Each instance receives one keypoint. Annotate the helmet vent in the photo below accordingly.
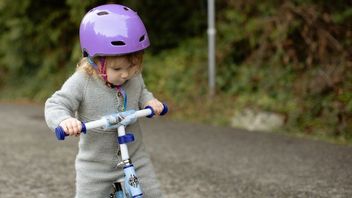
(142, 38)
(102, 13)
(118, 43)
(126, 8)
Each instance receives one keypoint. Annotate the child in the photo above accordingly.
(108, 80)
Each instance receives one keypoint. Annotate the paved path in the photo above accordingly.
(193, 161)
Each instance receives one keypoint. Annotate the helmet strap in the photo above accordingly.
(90, 61)
(102, 69)
(103, 74)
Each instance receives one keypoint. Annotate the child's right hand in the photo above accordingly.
(71, 126)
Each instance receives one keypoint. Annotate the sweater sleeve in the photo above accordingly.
(145, 95)
(64, 103)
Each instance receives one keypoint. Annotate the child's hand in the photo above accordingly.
(156, 105)
(71, 126)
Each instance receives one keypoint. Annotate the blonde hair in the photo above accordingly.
(136, 59)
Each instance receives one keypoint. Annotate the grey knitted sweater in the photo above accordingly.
(88, 98)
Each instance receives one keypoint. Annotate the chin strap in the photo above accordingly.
(121, 92)
(102, 70)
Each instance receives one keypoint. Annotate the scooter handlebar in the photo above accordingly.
(61, 134)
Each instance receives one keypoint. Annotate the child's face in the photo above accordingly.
(119, 70)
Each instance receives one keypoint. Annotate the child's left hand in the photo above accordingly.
(156, 105)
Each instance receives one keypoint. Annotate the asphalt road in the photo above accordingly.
(193, 161)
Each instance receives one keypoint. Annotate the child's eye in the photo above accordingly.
(117, 69)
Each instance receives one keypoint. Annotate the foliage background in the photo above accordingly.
(289, 57)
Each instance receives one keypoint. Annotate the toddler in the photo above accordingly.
(107, 80)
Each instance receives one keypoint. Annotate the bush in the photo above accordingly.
(297, 54)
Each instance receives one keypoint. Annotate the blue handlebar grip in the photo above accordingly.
(163, 112)
(84, 128)
(60, 133)
(165, 109)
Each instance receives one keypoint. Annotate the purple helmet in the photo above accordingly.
(110, 30)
